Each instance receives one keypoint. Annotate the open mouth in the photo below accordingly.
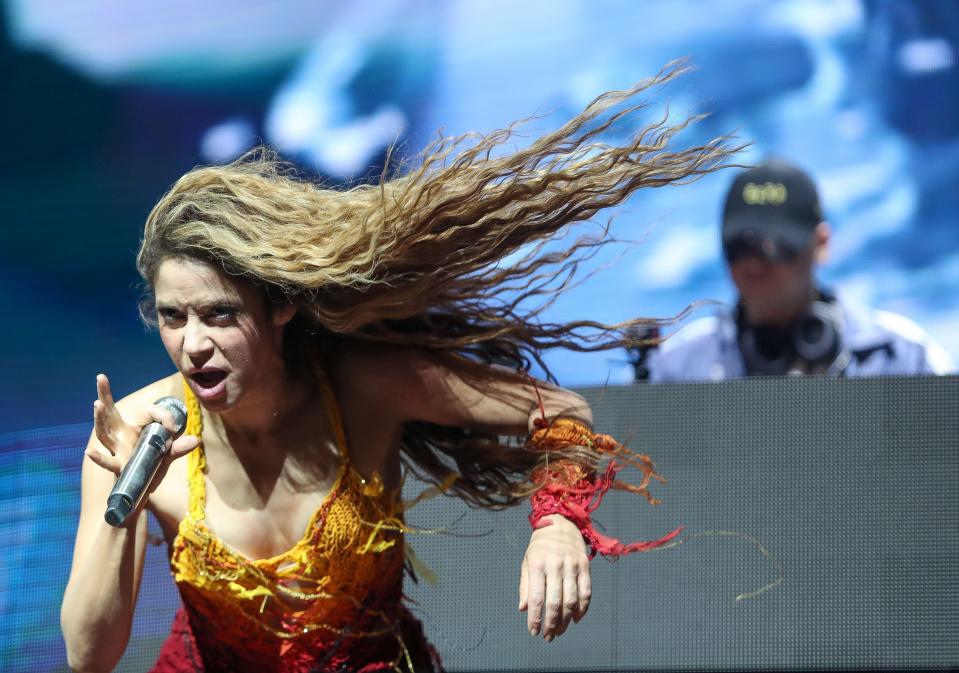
(208, 379)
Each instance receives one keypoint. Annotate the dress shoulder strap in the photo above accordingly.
(196, 459)
(332, 408)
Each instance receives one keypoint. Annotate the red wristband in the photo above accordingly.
(568, 489)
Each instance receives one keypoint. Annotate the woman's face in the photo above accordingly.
(220, 331)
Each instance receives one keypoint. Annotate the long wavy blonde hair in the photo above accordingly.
(426, 258)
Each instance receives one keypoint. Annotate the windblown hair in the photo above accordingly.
(427, 258)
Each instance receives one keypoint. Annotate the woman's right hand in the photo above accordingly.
(118, 435)
(107, 569)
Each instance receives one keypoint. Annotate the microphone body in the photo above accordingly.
(131, 487)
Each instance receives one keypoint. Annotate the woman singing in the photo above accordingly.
(326, 340)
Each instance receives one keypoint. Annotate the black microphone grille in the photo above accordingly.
(178, 409)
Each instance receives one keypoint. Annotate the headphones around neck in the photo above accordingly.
(812, 343)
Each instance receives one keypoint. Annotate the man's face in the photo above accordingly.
(762, 281)
(772, 283)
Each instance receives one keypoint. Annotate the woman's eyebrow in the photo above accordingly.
(200, 306)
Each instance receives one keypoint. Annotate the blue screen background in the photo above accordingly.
(106, 103)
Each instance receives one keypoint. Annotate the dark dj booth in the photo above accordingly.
(846, 490)
(852, 486)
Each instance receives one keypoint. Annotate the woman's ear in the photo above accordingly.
(283, 313)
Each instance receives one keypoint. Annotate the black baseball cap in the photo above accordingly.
(774, 202)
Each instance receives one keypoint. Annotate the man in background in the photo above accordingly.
(785, 322)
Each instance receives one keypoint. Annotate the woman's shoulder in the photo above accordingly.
(371, 375)
(169, 386)
(375, 366)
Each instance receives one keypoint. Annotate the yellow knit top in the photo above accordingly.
(341, 582)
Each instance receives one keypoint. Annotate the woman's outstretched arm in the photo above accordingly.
(97, 610)
(416, 385)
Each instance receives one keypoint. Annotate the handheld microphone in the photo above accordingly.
(131, 487)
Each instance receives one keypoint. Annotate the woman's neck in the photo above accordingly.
(266, 411)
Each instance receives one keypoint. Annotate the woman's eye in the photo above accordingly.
(222, 314)
(170, 315)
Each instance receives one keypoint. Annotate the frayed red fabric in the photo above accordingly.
(334, 653)
(568, 489)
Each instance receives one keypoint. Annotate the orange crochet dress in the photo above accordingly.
(332, 603)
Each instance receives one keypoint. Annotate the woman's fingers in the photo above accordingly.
(553, 608)
(535, 594)
(104, 459)
(111, 426)
(161, 415)
(584, 590)
(554, 581)
(183, 445)
(570, 599)
(111, 415)
(523, 585)
(103, 390)
(554, 592)
(108, 423)
(117, 438)
(103, 428)
(562, 599)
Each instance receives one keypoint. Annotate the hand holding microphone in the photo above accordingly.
(138, 450)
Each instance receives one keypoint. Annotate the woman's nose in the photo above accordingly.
(196, 338)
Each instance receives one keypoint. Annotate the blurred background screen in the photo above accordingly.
(840, 493)
(104, 103)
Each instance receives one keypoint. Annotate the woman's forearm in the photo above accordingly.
(98, 604)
